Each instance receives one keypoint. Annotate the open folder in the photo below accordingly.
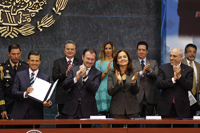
(42, 90)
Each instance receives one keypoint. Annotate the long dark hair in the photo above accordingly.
(116, 66)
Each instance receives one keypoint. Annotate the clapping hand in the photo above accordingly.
(68, 69)
(134, 78)
(81, 72)
(109, 65)
(146, 68)
(177, 72)
(118, 76)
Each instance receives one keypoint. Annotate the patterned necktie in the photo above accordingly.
(194, 90)
(69, 62)
(32, 78)
(142, 64)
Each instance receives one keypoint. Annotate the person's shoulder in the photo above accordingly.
(111, 72)
(77, 61)
(134, 60)
(95, 69)
(152, 60)
(165, 65)
(23, 72)
(4, 63)
(21, 62)
(75, 67)
(43, 75)
(60, 59)
(186, 66)
(196, 63)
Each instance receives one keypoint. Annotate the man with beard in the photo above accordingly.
(190, 55)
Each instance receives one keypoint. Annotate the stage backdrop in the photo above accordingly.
(180, 26)
(90, 23)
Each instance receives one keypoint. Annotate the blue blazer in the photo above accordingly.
(26, 105)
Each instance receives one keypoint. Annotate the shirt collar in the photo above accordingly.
(35, 72)
(71, 59)
(189, 61)
(143, 60)
(12, 64)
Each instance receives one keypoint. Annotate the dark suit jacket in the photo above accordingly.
(84, 90)
(188, 24)
(23, 105)
(6, 91)
(147, 83)
(184, 61)
(59, 72)
(179, 90)
(124, 99)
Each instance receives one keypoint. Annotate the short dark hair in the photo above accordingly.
(70, 41)
(143, 43)
(13, 46)
(116, 66)
(90, 50)
(33, 53)
(190, 45)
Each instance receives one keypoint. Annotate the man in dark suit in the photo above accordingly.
(61, 69)
(148, 70)
(189, 14)
(190, 55)
(8, 70)
(83, 82)
(175, 79)
(24, 107)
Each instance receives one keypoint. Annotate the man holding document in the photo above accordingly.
(190, 55)
(25, 107)
(175, 79)
(83, 80)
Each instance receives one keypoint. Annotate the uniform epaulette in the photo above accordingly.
(23, 62)
(3, 63)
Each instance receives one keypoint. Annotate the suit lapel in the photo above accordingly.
(27, 78)
(137, 64)
(64, 61)
(182, 68)
(184, 61)
(170, 71)
(75, 61)
(128, 79)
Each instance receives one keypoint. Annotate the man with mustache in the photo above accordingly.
(190, 55)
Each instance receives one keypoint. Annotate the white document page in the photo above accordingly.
(52, 89)
(40, 89)
(191, 98)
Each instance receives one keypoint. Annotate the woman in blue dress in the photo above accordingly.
(104, 64)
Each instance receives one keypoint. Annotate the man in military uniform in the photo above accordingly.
(8, 70)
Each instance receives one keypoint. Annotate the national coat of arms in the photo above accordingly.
(16, 16)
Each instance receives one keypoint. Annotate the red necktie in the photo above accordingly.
(69, 62)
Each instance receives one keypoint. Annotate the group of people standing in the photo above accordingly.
(115, 85)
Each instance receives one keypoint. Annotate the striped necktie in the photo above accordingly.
(32, 78)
